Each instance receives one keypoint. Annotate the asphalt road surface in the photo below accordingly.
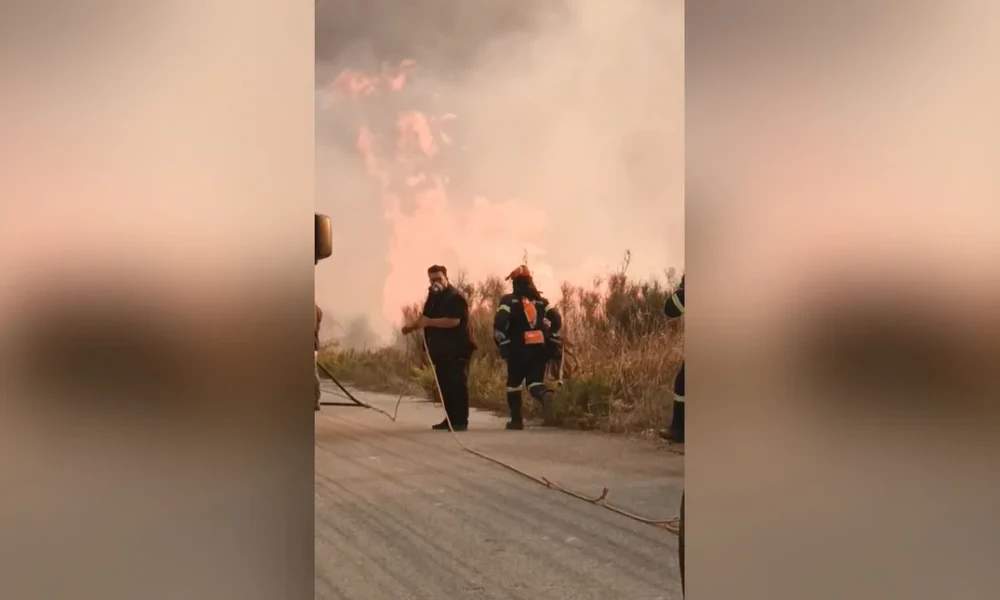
(402, 512)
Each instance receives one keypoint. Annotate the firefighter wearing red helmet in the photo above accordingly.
(674, 309)
(525, 327)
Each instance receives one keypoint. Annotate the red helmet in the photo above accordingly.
(521, 271)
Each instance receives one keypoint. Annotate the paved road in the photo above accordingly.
(403, 513)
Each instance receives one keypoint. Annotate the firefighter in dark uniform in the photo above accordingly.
(674, 308)
(445, 325)
(525, 328)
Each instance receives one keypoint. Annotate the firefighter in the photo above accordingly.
(674, 308)
(525, 328)
(445, 325)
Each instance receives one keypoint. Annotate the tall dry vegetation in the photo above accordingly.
(621, 355)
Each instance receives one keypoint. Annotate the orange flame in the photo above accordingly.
(425, 229)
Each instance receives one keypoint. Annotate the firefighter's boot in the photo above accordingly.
(544, 397)
(548, 409)
(514, 406)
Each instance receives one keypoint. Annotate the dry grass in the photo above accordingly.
(618, 373)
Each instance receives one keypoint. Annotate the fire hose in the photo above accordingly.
(671, 525)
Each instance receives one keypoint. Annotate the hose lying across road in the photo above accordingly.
(671, 525)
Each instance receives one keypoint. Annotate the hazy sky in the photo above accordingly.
(567, 143)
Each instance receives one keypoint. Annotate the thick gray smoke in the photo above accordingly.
(573, 108)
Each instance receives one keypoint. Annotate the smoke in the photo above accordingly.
(354, 333)
(547, 129)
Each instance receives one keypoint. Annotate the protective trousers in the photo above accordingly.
(453, 377)
(526, 366)
(677, 419)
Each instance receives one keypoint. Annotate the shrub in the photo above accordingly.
(621, 355)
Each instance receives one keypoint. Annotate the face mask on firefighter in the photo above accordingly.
(436, 287)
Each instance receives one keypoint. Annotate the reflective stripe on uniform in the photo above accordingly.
(677, 302)
(504, 342)
(678, 399)
(514, 389)
(536, 384)
(503, 307)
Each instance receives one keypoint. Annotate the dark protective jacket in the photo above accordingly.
(448, 344)
(519, 323)
(674, 307)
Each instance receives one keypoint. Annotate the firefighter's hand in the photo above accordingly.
(547, 323)
(411, 327)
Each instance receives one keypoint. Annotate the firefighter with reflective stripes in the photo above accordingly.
(525, 328)
(674, 308)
